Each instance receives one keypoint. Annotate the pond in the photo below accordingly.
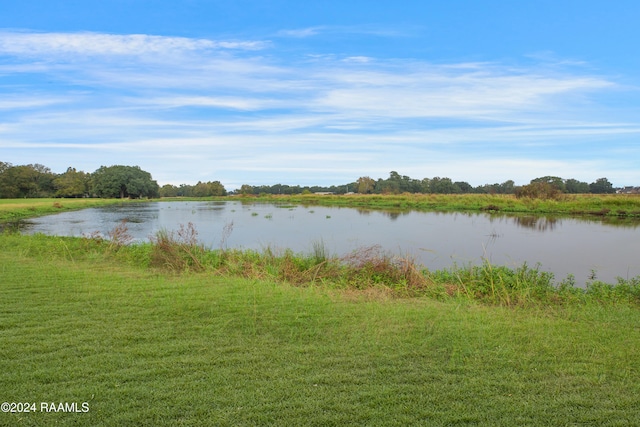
(563, 246)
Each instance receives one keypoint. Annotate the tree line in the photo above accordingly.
(36, 180)
(543, 187)
(118, 181)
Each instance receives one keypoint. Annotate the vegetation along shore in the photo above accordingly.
(610, 205)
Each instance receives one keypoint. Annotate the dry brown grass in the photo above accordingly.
(177, 251)
(119, 236)
(372, 265)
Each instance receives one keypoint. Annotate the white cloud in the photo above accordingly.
(225, 102)
(337, 117)
(470, 94)
(47, 44)
(24, 102)
(300, 33)
(358, 59)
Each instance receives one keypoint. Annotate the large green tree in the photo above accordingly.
(123, 181)
(574, 186)
(33, 180)
(601, 186)
(169, 190)
(246, 189)
(206, 189)
(365, 185)
(442, 186)
(72, 183)
(555, 181)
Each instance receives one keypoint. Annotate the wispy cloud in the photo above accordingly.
(301, 32)
(48, 44)
(29, 101)
(234, 107)
(345, 31)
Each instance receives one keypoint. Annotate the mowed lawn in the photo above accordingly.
(145, 348)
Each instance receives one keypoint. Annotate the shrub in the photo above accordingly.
(538, 190)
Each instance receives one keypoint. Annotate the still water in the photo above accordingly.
(436, 240)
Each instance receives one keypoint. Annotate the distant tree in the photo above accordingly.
(12, 184)
(391, 185)
(463, 187)
(4, 166)
(123, 181)
(442, 185)
(385, 186)
(208, 189)
(574, 186)
(410, 185)
(554, 181)
(169, 190)
(26, 181)
(365, 185)
(507, 187)
(72, 183)
(185, 190)
(601, 186)
(425, 185)
(245, 190)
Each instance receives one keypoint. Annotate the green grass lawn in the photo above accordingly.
(146, 348)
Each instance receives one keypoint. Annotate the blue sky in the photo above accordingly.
(323, 92)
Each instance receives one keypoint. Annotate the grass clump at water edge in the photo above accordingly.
(373, 268)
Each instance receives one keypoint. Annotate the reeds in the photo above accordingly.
(177, 251)
(119, 236)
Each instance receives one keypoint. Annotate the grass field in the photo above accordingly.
(89, 322)
(145, 347)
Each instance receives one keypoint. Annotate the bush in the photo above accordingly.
(538, 190)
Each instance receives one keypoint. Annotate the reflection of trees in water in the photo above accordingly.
(392, 214)
(539, 223)
(549, 222)
(533, 222)
(616, 221)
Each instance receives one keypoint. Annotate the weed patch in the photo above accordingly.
(119, 236)
(177, 251)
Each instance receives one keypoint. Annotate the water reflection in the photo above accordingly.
(392, 214)
(539, 223)
(562, 245)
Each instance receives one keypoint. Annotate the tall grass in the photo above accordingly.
(370, 268)
(608, 205)
(178, 251)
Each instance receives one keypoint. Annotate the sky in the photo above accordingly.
(323, 92)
